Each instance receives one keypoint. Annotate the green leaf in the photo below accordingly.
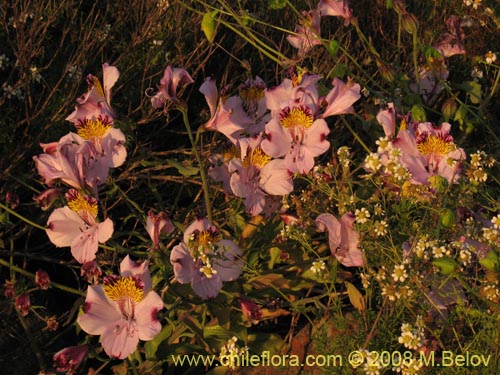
(275, 254)
(445, 265)
(276, 4)
(208, 25)
(355, 296)
(418, 113)
(151, 346)
(490, 261)
(473, 91)
(183, 170)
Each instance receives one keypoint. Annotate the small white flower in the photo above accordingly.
(490, 57)
(318, 266)
(362, 215)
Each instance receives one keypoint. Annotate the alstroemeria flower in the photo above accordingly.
(172, 79)
(307, 32)
(75, 162)
(107, 140)
(205, 260)
(425, 150)
(342, 238)
(97, 101)
(68, 359)
(227, 114)
(156, 225)
(341, 98)
(255, 176)
(123, 310)
(76, 225)
(336, 8)
(452, 43)
(297, 136)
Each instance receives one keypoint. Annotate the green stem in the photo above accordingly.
(11, 211)
(204, 181)
(32, 276)
(355, 135)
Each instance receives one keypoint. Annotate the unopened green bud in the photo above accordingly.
(410, 23)
(447, 218)
(386, 71)
(449, 108)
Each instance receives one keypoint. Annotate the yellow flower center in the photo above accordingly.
(123, 287)
(295, 117)
(256, 158)
(435, 145)
(79, 203)
(89, 129)
(403, 125)
(251, 94)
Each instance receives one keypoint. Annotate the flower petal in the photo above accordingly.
(99, 313)
(145, 315)
(120, 339)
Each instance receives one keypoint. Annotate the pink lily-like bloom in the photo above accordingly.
(205, 260)
(342, 238)
(68, 359)
(426, 150)
(157, 225)
(172, 79)
(295, 131)
(96, 101)
(72, 161)
(255, 176)
(76, 225)
(227, 115)
(452, 43)
(336, 8)
(123, 310)
(80, 163)
(307, 32)
(341, 98)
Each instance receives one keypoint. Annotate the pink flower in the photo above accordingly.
(74, 162)
(227, 115)
(342, 238)
(91, 271)
(336, 8)
(426, 150)
(42, 279)
(297, 135)
(205, 260)
(47, 197)
(123, 310)
(307, 32)
(76, 225)
(96, 102)
(156, 225)
(172, 79)
(23, 304)
(452, 43)
(250, 310)
(341, 97)
(255, 176)
(68, 359)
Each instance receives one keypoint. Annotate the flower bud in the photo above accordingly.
(449, 108)
(410, 23)
(42, 279)
(447, 218)
(439, 183)
(386, 71)
(23, 304)
(68, 359)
